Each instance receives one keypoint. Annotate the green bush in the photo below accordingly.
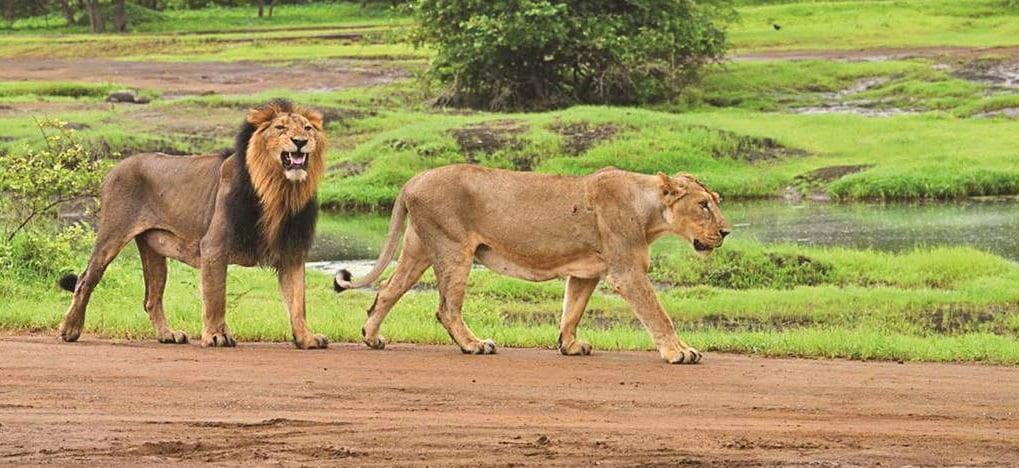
(528, 54)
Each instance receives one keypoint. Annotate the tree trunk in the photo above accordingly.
(68, 12)
(261, 5)
(95, 17)
(272, 4)
(119, 21)
(9, 11)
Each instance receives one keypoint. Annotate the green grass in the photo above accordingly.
(875, 24)
(945, 304)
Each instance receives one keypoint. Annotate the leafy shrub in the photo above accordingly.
(548, 53)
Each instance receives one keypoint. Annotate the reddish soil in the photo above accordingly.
(102, 403)
(177, 78)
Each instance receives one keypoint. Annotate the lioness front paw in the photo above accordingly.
(311, 341)
(69, 332)
(378, 342)
(683, 356)
(177, 337)
(576, 348)
(218, 340)
(480, 347)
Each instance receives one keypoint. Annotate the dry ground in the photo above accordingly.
(131, 403)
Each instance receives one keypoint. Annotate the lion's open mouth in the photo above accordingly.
(294, 160)
(700, 246)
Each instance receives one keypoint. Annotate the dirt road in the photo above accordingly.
(180, 78)
(97, 402)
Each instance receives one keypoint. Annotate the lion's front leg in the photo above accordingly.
(291, 278)
(637, 289)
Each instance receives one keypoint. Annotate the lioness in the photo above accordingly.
(257, 206)
(538, 227)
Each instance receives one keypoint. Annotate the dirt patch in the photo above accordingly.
(751, 149)
(579, 137)
(184, 78)
(486, 138)
(826, 175)
(997, 72)
(959, 319)
(141, 403)
(596, 319)
(348, 168)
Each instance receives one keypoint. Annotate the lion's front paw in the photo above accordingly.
(576, 348)
(311, 341)
(480, 347)
(177, 337)
(378, 342)
(218, 340)
(683, 356)
(69, 332)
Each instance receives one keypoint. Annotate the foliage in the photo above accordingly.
(549, 53)
(35, 182)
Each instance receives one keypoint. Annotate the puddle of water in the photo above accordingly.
(353, 242)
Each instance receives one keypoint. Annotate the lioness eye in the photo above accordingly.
(704, 205)
(281, 127)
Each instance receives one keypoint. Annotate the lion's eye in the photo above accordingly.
(281, 127)
(704, 205)
(307, 128)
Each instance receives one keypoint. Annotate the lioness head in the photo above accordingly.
(692, 211)
(288, 138)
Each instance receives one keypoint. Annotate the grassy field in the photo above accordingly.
(928, 127)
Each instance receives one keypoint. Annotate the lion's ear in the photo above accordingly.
(261, 115)
(668, 190)
(315, 117)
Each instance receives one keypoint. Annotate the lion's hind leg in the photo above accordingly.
(578, 292)
(412, 264)
(109, 243)
(154, 271)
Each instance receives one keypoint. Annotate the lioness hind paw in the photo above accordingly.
(219, 341)
(481, 347)
(312, 342)
(576, 348)
(687, 356)
(379, 342)
(177, 337)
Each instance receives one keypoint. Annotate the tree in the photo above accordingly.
(119, 22)
(95, 17)
(68, 12)
(547, 53)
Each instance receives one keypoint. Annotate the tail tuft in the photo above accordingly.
(341, 275)
(68, 282)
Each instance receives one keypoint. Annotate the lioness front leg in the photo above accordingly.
(578, 291)
(291, 278)
(638, 291)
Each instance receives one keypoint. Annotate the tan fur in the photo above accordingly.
(177, 207)
(538, 227)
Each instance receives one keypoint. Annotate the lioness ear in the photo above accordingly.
(260, 115)
(669, 190)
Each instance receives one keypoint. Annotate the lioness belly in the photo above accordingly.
(581, 266)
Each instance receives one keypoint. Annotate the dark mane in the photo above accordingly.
(244, 211)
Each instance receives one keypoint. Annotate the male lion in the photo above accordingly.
(538, 227)
(256, 206)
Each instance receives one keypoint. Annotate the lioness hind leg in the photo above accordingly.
(154, 271)
(408, 271)
(451, 275)
(578, 291)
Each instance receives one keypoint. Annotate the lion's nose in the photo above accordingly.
(723, 232)
(300, 143)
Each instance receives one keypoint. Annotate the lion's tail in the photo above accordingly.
(342, 281)
(68, 282)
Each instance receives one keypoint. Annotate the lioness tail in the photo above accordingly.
(342, 280)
